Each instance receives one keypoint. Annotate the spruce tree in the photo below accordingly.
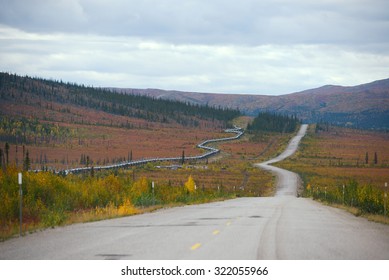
(7, 153)
(27, 162)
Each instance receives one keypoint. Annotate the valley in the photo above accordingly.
(60, 126)
(53, 126)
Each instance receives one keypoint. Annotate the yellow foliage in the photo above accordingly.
(190, 185)
(111, 210)
(126, 208)
(112, 182)
(141, 186)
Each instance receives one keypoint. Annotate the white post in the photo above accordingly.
(152, 186)
(343, 193)
(20, 203)
(385, 196)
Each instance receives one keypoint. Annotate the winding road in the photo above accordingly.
(279, 227)
(287, 181)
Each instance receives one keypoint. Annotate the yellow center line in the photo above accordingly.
(215, 232)
(195, 246)
(228, 223)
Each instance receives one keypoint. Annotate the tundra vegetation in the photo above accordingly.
(49, 126)
(344, 167)
(51, 200)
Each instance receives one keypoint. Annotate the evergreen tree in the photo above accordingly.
(27, 162)
(130, 105)
(7, 153)
(266, 121)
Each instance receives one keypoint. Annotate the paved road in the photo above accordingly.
(280, 227)
(287, 181)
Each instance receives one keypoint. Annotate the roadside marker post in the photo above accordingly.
(152, 186)
(20, 203)
(385, 198)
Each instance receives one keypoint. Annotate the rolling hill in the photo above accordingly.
(62, 125)
(34, 97)
(364, 106)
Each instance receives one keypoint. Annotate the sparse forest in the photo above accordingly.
(50, 125)
(67, 125)
(273, 122)
(31, 131)
(42, 93)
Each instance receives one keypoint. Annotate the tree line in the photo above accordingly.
(31, 131)
(4, 157)
(21, 89)
(273, 122)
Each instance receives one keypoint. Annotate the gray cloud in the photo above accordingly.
(252, 46)
(217, 22)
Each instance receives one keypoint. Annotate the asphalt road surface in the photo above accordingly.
(280, 227)
(287, 181)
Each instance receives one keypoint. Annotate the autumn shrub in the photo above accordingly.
(9, 196)
(141, 193)
(52, 218)
(366, 198)
(166, 193)
(48, 198)
(190, 185)
(126, 208)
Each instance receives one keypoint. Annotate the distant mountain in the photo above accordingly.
(364, 106)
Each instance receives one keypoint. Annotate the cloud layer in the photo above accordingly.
(248, 46)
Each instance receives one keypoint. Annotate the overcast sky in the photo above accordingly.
(247, 46)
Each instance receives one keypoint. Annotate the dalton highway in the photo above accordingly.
(279, 227)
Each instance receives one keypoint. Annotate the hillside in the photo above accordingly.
(64, 125)
(16, 91)
(363, 106)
